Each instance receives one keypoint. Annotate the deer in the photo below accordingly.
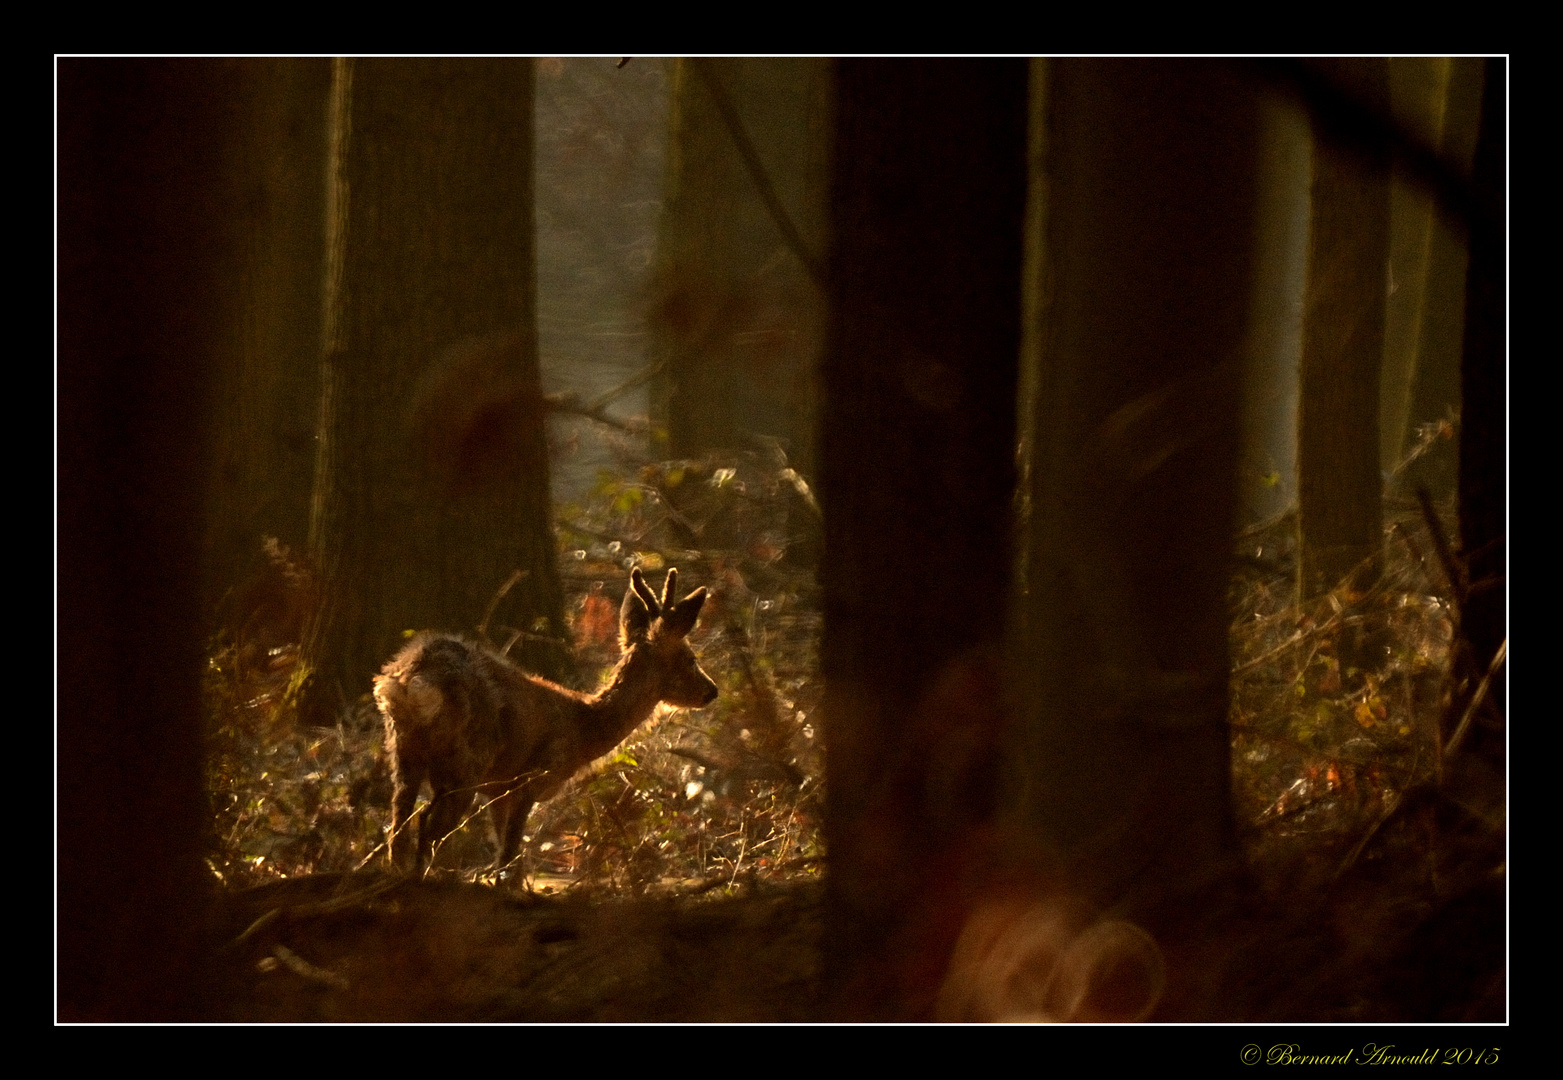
(469, 720)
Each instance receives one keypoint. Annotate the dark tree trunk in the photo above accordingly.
(1484, 388)
(431, 484)
(917, 474)
(263, 443)
(1120, 765)
(1340, 485)
(147, 238)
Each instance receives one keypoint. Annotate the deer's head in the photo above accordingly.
(658, 627)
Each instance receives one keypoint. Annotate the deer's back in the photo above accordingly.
(469, 715)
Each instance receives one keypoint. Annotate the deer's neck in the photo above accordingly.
(633, 690)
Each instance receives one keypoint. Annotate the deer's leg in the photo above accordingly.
(405, 781)
(439, 820)
(511, 812)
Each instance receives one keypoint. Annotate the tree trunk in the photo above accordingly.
(916, 479)
(1267, 483)
(148, 234)
(739, 311)
(431, 481)
(1339, 483)
(1484, 386)
(1428, 265)
(1138, 308)
(263, 435)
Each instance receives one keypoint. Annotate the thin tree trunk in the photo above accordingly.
(1339, 483)
(740, 303)
(1440, 100)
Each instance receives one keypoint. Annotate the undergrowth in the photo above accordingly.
(1356, 800)
(1341, 705)
(1374, 828)
(691, 802)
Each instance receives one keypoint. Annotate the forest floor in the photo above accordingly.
(387, 949)
(680, 878)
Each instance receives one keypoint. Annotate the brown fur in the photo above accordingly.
(460, 715)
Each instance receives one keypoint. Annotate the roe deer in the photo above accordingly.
(473, 723)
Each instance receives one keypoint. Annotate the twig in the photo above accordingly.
(1258, 528)
(499, 595)
(716, 881)
(743, 845)
(1426, 440)
(375, 851)
(320, 907)
(1391, 808)
(1435, 528)
(305, 970)
(644, 375)
(1477, 699)
(766, 707)
(801, 486)
(1464, 654)
(695, 756)
(1412, 547)
(1399, 800)
(793, 864)
(751, 160)
(542, 639)
(569, 403)
(1332, 623)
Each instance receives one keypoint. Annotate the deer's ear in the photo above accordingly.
(680, 618)
(634, 618)
(639, 587)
